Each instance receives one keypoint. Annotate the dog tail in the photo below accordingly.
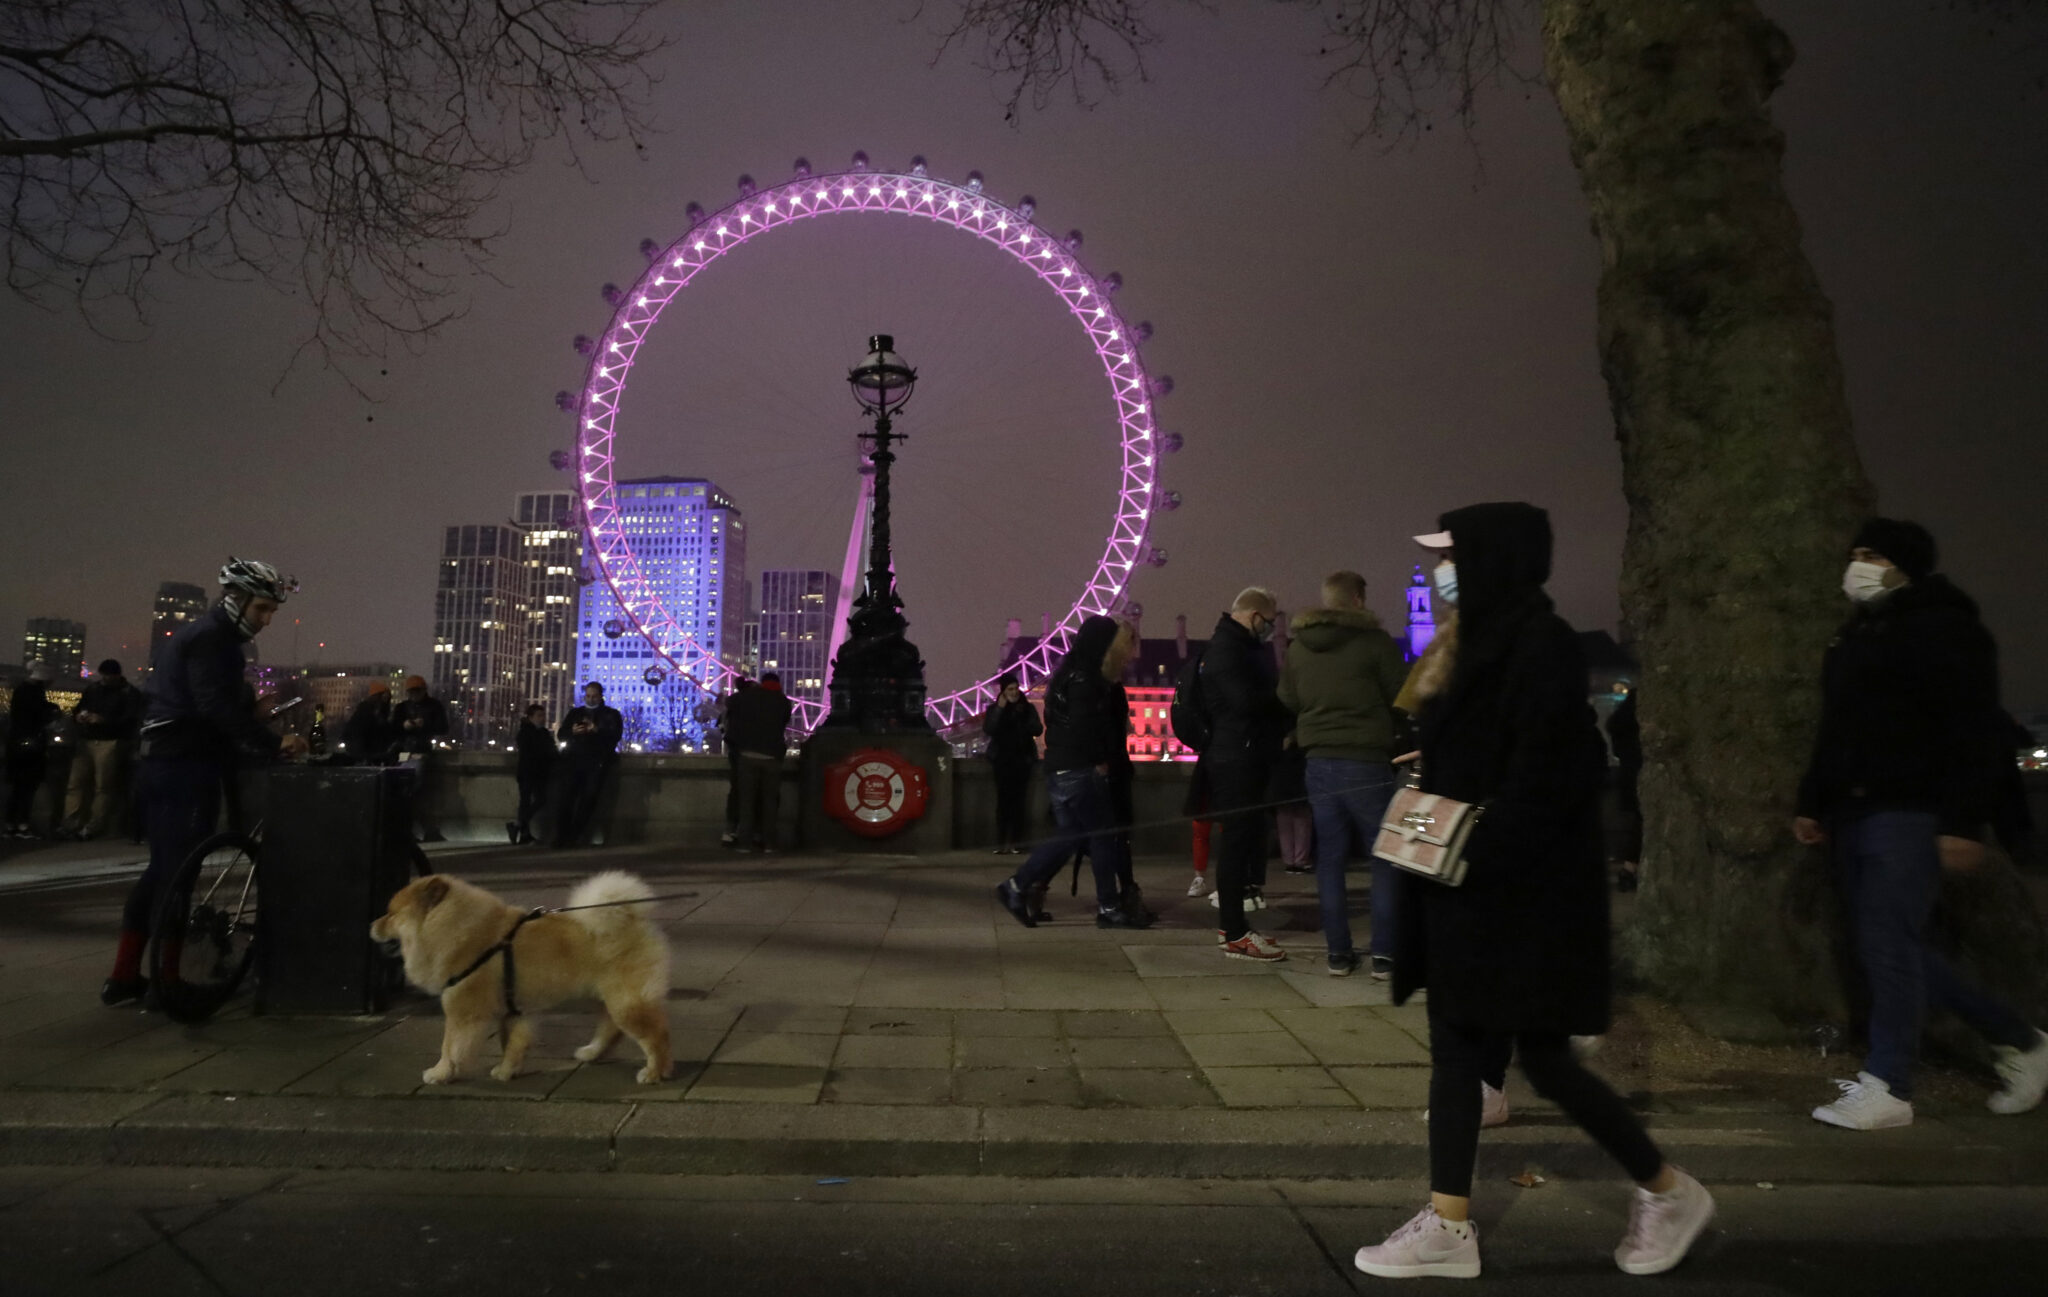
(620, 916)
(623, 927)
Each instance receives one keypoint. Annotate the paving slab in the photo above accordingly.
(1278, 1087)
(757, 1083)
(1007, 1022)
(1010, 1051)
(888, 1085)
(1147, 1087)
(895, 1052)
(1130, 1051)
(1014, 1087)
(1247, 1049)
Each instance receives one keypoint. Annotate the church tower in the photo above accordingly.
(1421, 621)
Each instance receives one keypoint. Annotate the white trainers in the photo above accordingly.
(1200, 887)
(2025, 1073)
(1867, 1103)
(1493, 1107)
(1426, 1246)
(1252, 898)
(1662, 1226)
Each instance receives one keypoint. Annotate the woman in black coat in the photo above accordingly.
(1520, 950)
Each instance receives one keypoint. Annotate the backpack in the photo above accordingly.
(1189, 713)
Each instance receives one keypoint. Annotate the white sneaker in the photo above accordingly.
(1867, 1103)
(1215, 900)
(1662, 1226)
(1428, 1245)
(1200, 887)
(2025, 1073)
(1252, 899)
(1493, 1107)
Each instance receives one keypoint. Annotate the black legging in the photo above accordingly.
(1461, 1057)
(1013, 805)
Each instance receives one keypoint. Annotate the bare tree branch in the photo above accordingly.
(343, 151)
(1092, 46)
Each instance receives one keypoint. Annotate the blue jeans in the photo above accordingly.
(1081, 808)
(1890, 873)
(1349, 797)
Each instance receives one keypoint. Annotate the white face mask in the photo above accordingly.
(1446, 578)
(1864, 581)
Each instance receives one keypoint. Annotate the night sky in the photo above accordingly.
(1360, 336)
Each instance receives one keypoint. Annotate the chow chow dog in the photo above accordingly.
(444, 926)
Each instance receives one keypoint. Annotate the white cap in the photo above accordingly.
(1435, 540)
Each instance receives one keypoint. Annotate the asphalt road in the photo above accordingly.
(168, 1232)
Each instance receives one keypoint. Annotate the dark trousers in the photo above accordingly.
(1013, 805)
(1460, 1058)
(533, 794)
(1081, 809)
(582, 785)
(1236, 789)
(180, 806)
(25, 771)
(732, 788)
(1890, 871)
(760, 798)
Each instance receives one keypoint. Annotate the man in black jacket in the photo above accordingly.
(1246, 727)
(536, 765)
(1904, 778)
(591, 735)
(368, 737)
(108, 717)
(757, 732)
(1012, 726)
(1084, 726)
(201, 720)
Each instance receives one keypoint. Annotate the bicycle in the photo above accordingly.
(206, 930)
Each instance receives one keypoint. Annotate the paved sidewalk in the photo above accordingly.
(883, 1015)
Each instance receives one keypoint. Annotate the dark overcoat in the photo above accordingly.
(1523, 944)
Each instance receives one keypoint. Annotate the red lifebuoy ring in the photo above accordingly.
(875, 792)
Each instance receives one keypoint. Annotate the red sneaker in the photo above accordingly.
(1253, 946)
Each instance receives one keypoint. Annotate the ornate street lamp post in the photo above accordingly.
(878, 677)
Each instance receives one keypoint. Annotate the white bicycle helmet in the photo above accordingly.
(252, 578)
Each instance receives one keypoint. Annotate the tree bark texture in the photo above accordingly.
(1718, 349)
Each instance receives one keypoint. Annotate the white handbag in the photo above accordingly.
(1425, 834)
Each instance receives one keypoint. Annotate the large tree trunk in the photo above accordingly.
(1744, 487)
(1743, 483)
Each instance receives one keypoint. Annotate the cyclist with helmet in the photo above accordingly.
(199, 722)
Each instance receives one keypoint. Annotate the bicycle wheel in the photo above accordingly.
(204, 937)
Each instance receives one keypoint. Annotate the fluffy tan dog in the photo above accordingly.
(443, 926)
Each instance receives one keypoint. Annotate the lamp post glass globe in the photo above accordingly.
(882, 382)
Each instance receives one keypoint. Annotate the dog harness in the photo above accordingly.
(504, 947)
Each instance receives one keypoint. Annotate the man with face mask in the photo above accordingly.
(1905, 775)
(1247, 725)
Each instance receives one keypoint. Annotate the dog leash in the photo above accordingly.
(504, 946)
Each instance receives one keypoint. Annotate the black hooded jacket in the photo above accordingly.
(1084, 722)
(1523, 944)
(1909, 713)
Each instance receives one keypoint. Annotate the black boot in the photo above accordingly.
(1016, 903)
(1036, 900)
(121, 990)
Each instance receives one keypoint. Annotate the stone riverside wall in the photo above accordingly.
(681, 799)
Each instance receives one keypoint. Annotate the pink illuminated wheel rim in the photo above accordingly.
(963, 207)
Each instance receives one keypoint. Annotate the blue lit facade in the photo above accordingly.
(691, 543)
